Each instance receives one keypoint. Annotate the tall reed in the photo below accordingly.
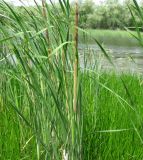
(75, 59)
(45, 85)
(45, 17)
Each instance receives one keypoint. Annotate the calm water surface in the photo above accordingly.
(125, 58)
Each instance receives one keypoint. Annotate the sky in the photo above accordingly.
(31, 2)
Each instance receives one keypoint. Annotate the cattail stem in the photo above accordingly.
(65, 79)
(45, 17)
(75, 59)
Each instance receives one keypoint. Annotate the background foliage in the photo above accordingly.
(110, 15)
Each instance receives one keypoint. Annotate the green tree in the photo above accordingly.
(86, 9)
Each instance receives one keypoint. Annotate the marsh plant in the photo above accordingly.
(39, 54)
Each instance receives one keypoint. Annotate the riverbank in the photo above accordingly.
(109, 37)
(122, 48)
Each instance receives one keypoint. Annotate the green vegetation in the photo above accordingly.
(110, 37)
(50, 108)
(112, 129)
(109, 15)
(103, 100)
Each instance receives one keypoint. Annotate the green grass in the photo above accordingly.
(111, 113)
(110, 37)
(103, 115)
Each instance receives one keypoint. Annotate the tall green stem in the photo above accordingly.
(45, 17)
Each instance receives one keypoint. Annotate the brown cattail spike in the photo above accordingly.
(75, 58)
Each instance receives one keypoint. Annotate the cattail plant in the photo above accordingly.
(75, 88)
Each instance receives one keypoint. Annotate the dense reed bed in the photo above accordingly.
(50, 109)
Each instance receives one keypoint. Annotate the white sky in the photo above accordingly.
(31, 2)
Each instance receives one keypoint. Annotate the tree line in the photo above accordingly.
(110, 15)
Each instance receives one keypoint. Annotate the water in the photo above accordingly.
(125, 58)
